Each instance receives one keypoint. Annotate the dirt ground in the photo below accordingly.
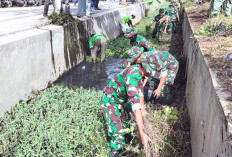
(214, 48)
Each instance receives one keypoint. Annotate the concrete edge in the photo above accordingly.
(222, 95)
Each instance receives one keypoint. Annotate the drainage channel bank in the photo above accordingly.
(64, 121)
(209, 84)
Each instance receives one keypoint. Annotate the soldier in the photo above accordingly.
(161, 24)
(126, 20)
(138, 40)
(173, 14)
(97, 41)
(176, 4)
(126, 87)
(162, 67)
(215, 6)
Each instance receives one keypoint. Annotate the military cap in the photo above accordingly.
(134, 53)
(131, 31)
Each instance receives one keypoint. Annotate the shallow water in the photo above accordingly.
(89, 75)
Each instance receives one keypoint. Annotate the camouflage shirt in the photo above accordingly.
(162, 62)
(161, 21)
(172, 13)
(142, 42)
(177, 6)
(126, 86)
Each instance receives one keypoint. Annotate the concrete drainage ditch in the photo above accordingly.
(53, 124)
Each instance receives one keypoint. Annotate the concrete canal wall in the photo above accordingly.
(206, 102)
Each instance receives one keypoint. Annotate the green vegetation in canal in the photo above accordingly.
(58, 121)
(118, 47)
(62, 121)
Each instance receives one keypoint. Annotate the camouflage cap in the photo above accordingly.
(147, 66)
(131, 31)
(134, 53)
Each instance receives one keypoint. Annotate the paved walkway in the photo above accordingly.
(18, 19)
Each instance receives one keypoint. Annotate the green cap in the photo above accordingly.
(134, 53)
(131, 31)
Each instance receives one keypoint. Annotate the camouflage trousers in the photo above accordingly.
(172, 26)
(158, 31)
(115, 118)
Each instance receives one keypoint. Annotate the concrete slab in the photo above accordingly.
(57, 50)
(24, 65)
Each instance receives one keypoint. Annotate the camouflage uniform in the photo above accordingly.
(159, 64)
(161, 22)
(176, 4)
(142, 42)
(126, 86)
(139, 41)
(172, 13)
(215, 7)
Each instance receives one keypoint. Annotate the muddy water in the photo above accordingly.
(89, 75)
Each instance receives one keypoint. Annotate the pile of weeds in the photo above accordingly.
(61, 19)
(213, 29)
(166, 127)
(59, 121)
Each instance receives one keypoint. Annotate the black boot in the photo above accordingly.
(128, 138)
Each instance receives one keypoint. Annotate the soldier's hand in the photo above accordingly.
(157, 93)
(145, 139)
